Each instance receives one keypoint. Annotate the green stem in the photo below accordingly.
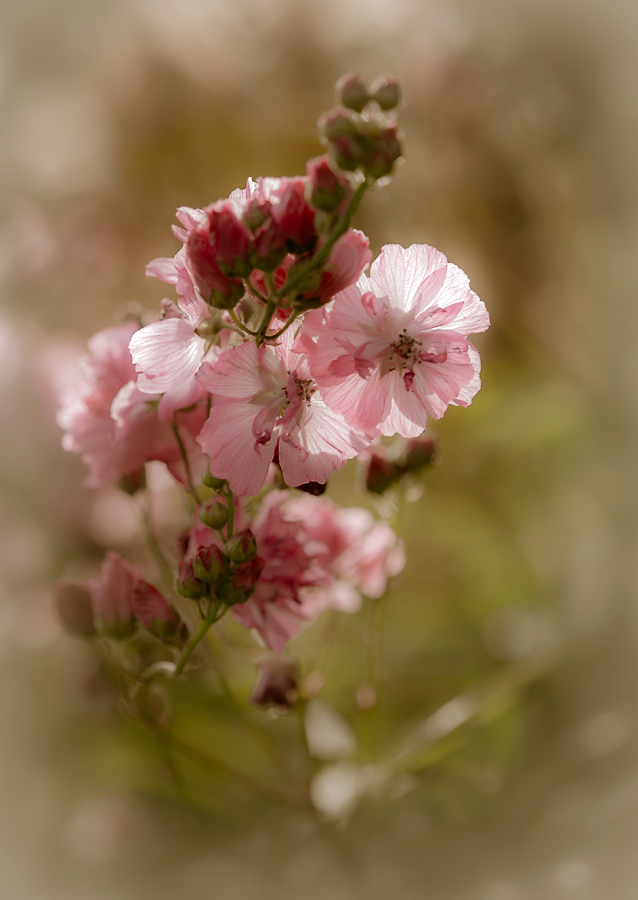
(230, 522)
(291, 318)
(269, 311)
(196, 638)
(217, 767)
(192, 492)
(241, 324)
(152, 543)
(340, 228)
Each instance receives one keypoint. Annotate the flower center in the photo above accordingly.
(404, 352)
(305, 387)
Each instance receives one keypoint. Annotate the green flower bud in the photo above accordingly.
(215, 515)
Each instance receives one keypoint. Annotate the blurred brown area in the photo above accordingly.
(520, 590)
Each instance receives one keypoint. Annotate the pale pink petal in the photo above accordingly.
(167, 354)
(407, 415)
(466, 394)
(399, 272)
(163, 268)
(321, 443)
(228, 439)
(473, 316)
(236, 372)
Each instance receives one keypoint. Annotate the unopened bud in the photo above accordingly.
(419, 453)
(315, 488)
(277, 682)
(386, 91)
(381, 472)
(227, 301)
(215, 515)
(208, 565)
(210, 481)
(73, 602)
(152, 610)
(242, 547)
(385, 149)
(327, 190)
(187, 584)
(352, 92)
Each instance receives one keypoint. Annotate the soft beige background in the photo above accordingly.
(520, 126)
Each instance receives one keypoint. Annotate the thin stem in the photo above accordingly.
(291, 318)
(196, 638)
(217, 767)
(230, 521)
(153, 544)
(241, 324)
(339, 229)
(269, 311)
(192, 492)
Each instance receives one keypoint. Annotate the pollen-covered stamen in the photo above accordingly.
(404, 352)
(305, 387)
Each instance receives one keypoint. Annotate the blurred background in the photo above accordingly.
(517, 607)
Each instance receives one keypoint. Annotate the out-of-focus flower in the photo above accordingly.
(112, 594)
(113, 424)
(358, 550)
(277, 681)
(393, 349)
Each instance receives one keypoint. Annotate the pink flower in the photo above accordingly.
(116, 427)
(167, 354)
(360, 552)
(393, 349)
(276, 608)
(265, 399)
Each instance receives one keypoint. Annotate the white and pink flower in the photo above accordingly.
(267, 401)
(393, 349)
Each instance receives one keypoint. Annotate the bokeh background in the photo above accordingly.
(519, 598)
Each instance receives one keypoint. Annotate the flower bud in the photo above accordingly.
(242, 547)
(220, 300)
(385, 149)
(327, 190)
(209, 278)
(187, 584)
(73, 602)
(208, 565)
(352, 92)
(229, 236)
(211, 482)
(419, 453)
(112, 596)
(340, 130)
(152, 610)
(215, 515)
(313, 487)
(277, 682)
(380, 472)
(386, 91)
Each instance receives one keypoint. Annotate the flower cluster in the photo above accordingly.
(279, 359)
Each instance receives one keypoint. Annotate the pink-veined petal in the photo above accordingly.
(227, 437)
